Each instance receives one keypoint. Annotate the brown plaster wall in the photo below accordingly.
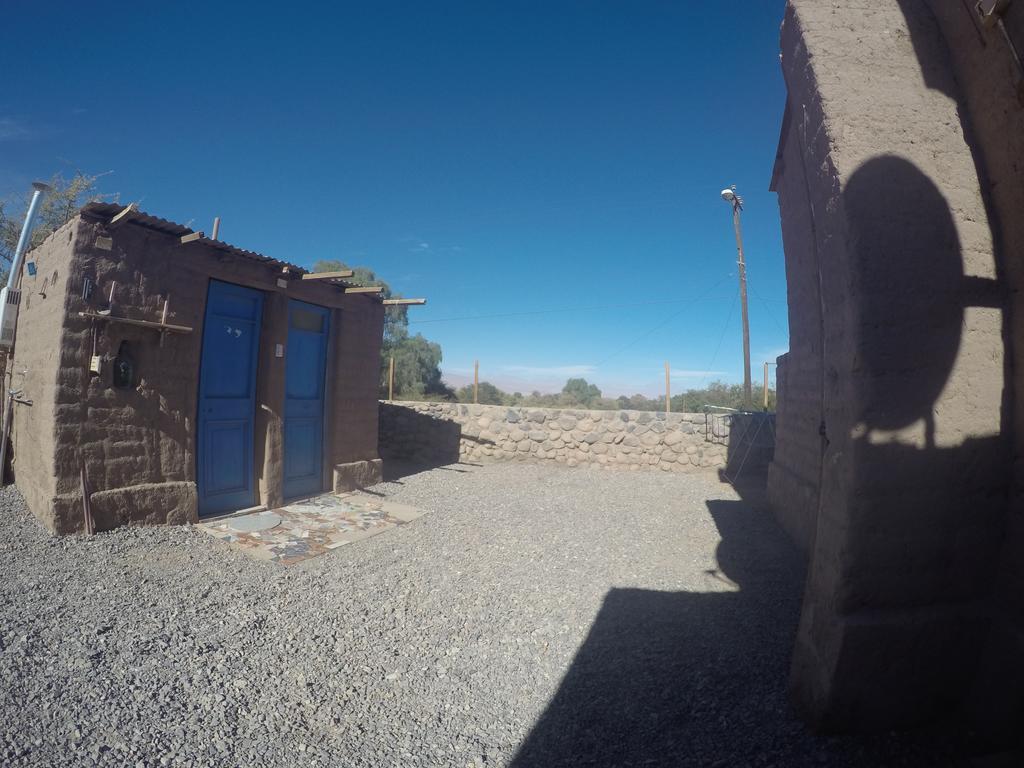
(268, 431)
(990, 95)
(35, 371)
(901, 355)
(353, 416)
(138, 445)
(795, 472)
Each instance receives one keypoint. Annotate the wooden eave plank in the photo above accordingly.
(403, 302)
(365, 289)
(328, 275)
(125, 215)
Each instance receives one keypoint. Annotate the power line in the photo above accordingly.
(664, 322)
(771, 312)
(721, 338)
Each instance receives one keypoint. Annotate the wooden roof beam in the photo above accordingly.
(364, 289)
(125, 215)
(403, 302)
(340, 275)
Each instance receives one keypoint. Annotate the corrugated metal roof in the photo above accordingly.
(109, 210)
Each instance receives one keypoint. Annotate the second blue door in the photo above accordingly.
(305, 371)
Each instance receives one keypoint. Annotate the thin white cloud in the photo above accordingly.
(11, 129)
(419, 245)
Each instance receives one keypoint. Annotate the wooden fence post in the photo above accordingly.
(766, 386)
(668, 389)
(391, 379)
(476, 381)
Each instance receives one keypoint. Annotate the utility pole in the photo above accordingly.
(476, 381)
(730, 196)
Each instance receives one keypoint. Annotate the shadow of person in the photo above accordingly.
(908, 294)
(688, 679)
(913, 491)
(683, 678)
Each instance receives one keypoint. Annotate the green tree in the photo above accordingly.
(417, 367)
(65, 198)
(580, 392)
(718, 393)
(487, 394)
(639, 402)
(396, 318)
(417, 360)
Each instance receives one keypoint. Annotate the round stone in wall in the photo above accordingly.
(251, 523)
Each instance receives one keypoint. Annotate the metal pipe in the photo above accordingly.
(38, 190)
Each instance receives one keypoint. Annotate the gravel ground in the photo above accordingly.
(537, 616)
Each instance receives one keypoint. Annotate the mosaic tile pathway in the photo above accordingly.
(309, 528)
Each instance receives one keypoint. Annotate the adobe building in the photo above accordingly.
(898, 465)
(172, 376)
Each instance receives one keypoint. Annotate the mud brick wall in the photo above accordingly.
(36, 371)
(796, 470)
(898, 461)
(138, 445)
(447, 432)
(990, 96)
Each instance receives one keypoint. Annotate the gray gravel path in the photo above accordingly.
(537, 616)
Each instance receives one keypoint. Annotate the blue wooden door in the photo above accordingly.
(227, 398)
(305, 370)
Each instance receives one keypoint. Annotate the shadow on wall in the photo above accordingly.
(911, 294)
(913, 498)
(411, 442)
(750, 451)
(698, 679)
(989, 101)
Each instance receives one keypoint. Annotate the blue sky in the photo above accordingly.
(559, 158)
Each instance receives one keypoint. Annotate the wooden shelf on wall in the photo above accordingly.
(154, 324)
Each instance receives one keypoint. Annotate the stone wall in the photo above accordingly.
(899, 182)
(438, 433)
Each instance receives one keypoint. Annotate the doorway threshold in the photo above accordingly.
(310, 527)
(237, 513)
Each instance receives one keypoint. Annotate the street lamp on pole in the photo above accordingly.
(730, 196)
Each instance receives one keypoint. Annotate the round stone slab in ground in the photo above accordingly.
(251, 523)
